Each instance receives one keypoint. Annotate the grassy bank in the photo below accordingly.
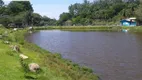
(52, 66)
(90, 28)
(77, 28)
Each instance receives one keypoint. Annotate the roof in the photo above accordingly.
(129, 19)
(132, 18)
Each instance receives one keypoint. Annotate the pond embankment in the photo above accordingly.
(90, 28)
(112, 55)
(52, 66)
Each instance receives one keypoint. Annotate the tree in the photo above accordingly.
(101, 11)
(1, 3)
(64, 17)
(138, 13)
(36, 19)
(46, 21)
(16, 7)
(20, 14)
(1, 7)
(16, 13)
(5, 21)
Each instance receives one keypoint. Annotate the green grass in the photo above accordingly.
(90, 28)
(76, 28)
(10, 67)
(53, 66)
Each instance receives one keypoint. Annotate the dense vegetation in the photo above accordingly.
(101, 12)
(21, 14)
(98, 12)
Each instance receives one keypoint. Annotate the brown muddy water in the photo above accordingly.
(112, 55)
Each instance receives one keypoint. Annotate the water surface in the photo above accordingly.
(112, 55)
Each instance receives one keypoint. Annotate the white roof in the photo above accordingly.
(132, 18)
(128, 19)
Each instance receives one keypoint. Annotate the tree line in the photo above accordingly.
(101, 12)
(21, 14)
(98, 12)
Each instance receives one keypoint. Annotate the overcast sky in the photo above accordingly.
(51, 8)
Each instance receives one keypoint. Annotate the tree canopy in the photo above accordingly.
(102, 12)
(21, 14)
(98, 12)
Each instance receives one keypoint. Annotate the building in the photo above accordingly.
(128, 22)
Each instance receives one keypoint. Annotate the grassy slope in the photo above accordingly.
(10, 68)
(53, 67)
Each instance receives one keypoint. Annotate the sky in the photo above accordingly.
(51, 8)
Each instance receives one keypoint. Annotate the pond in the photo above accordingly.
(112, 55)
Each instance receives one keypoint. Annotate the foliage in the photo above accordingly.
(1, 3)
(63, 18)
(97, 12)
(138, 13)
(101, 12)
(46, 21)
(20, 14)
(15, 7)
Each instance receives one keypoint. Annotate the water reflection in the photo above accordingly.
(112, 55)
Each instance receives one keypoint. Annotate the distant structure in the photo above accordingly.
(129, 22)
